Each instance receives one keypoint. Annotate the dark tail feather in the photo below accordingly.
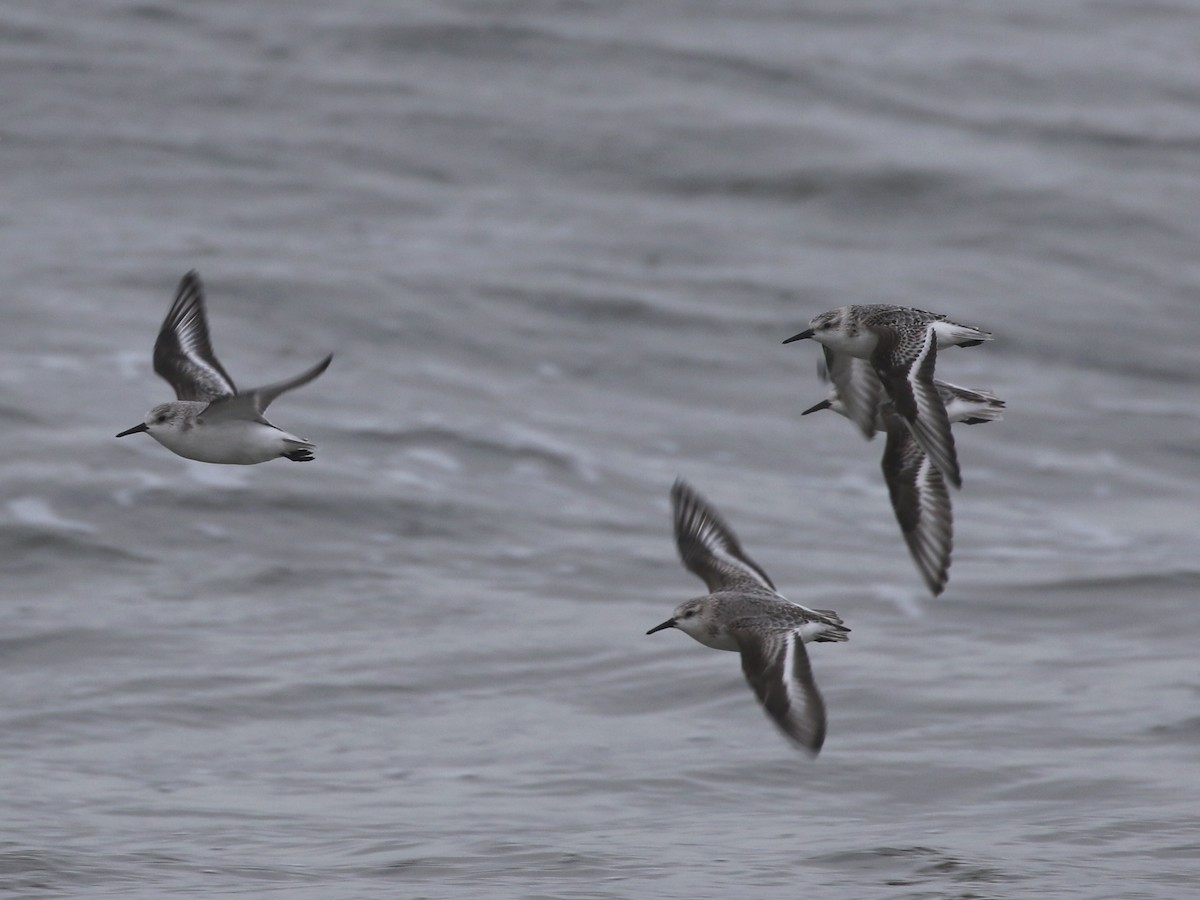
(302, 452)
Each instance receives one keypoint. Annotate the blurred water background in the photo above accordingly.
(555, 245)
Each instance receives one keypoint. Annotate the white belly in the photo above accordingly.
(239, 443)
(699, 630)
(861, 345)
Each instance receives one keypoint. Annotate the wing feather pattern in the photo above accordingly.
(908, 379)
(858, 387)
(778, 671)
(253, 403)
(921, 503)
(708, 546)
(183, 353)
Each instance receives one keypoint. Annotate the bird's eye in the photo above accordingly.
(689, 613)
(160, 419)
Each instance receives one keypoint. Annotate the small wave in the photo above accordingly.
(470, 39)
(53, 647)
(441, 445)
(569, 301)
(155, 12)
(916, 865)
(1180, 580)
(526, 45)
(38, 512)
(43, 873)
(855, 187)
(222, 477)
(197, 703)
(15, 415)
(31, 548)
(1187, 731)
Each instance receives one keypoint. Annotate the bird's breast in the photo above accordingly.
(859, 342)
(240, 442)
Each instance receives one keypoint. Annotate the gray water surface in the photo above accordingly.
(554, 247)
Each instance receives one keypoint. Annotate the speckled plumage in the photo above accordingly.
(920, 499)
(744, 612)
(901, 345)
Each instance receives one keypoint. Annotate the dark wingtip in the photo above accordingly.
(935, 581)
(680, 491)
(191, 278)
(807, 333)
(810, 744)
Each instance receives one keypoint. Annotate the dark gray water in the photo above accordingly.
(555, 247)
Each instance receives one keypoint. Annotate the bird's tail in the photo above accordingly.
(951, 334)
(299, 450)
(971, 407)
(834, 630)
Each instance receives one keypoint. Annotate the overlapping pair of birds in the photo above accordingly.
(879, 361)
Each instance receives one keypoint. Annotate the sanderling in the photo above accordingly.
(210, 421)
(901, 344)
(962, 404)
(744, 612)
(853, 379)
(916, 487)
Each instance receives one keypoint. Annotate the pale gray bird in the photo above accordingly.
(210, 420)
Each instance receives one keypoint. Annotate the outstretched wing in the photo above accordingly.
(906, 370)
(251, 404)
(776, 666)
(858, 387)
(921, 503)
(183, 353)
(708, 546)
